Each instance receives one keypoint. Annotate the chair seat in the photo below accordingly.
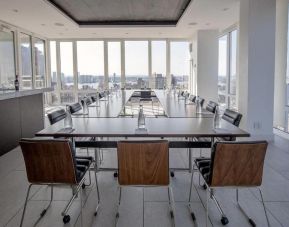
(83, 160)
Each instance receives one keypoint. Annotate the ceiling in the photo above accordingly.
(123, 12)
(41, 17)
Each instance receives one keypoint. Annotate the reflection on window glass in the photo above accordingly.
(90, 61)
(26, 60)
(114, 64)
(39, 61)
(136, 64)
(180, 64)
(66, 60)
(7, 64)
(53, 67)
(159, 55)
(222, 78)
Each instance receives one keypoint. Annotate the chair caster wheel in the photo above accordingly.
(117, 215)
(115, 174)
(83, 186)
(193, 216)
(95, 213)
(172, 174)
(172, 214)
(224, 220)
(204, 186)
(66, 219)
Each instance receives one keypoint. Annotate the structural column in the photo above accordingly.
(257, 66)
(206, 49)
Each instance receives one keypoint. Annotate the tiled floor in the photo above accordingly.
(145, 206)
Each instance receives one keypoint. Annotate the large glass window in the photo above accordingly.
(180, 64)
(222, 79)
(228, 70)
(66, 61)
(136, 64)
(114, 64)
(7, 60)
(26, 61)
(39, 61)
(53, 65)
(90, 63)
(159, 56)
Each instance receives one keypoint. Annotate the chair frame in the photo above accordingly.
(76, 188)
(210, 194)
(169, 190)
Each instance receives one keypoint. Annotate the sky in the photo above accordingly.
(90, 57)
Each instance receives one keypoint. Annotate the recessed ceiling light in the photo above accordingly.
(193, 23)
(225, 9)
(15, 10)
(59, 24)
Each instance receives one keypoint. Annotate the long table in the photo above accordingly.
(124, 128)
(174, 107)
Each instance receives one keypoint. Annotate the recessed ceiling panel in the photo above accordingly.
(123, 12)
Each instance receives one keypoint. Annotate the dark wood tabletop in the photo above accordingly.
(156, 127)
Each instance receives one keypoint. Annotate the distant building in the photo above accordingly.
(159, 81)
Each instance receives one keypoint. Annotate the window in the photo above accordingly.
(53, 65)
(136, 64)
(227, 70)
(114, 64)
(7, 63)
(90, 62)
(222, 79)
(66, 61)
(39, 62)
(180, 64)
(159, 56)
(26, 60)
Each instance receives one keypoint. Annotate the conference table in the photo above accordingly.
(181, 126)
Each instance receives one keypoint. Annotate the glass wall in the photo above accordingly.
(222, 77)
(26, 61)
(159, 63)
(114, 64)
(136, 64)
(180, 64)
(66, 62)
(39, 62)
(228, 70)
(7, 60)
(89, 73)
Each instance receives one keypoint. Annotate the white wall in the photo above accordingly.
(280, 62)
(257, 65)
(207, 64)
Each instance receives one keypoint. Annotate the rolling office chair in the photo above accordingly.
(144, 163)
(52, 162)
(234, 165)
(59, 115)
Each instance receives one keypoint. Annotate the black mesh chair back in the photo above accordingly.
(56, 116)
(201, 100)
(232, 116)
(75, 107)
(211, 107)
(87, 100)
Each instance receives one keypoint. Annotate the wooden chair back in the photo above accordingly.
(49, 161)
(238, 164)
(143, 162)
